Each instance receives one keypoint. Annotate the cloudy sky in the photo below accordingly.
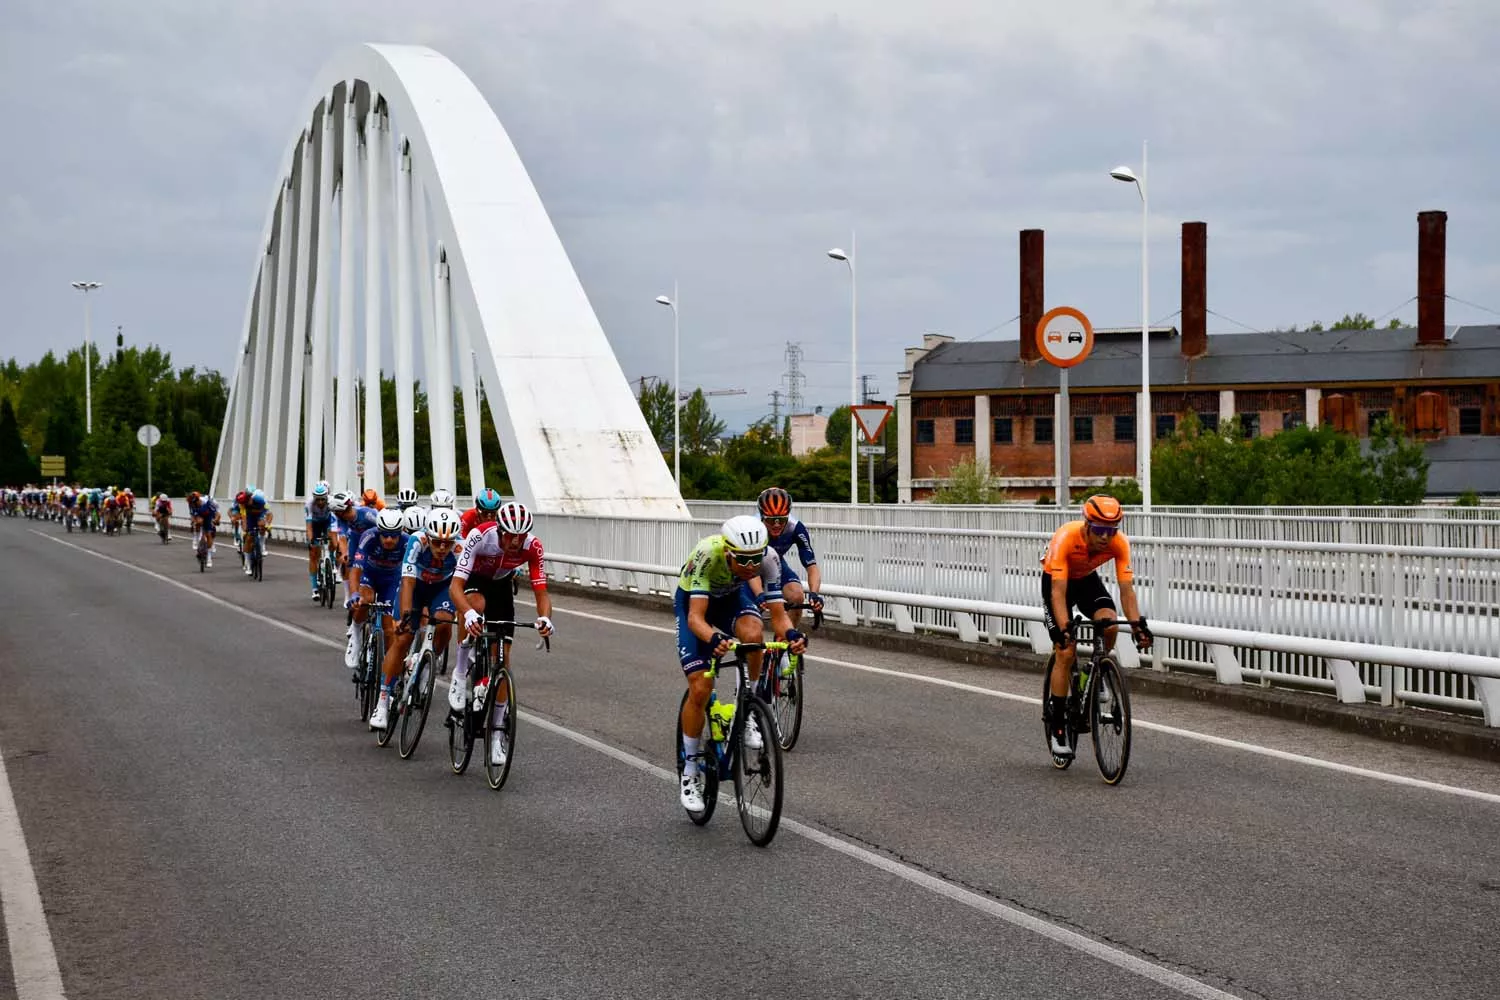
(729, 144)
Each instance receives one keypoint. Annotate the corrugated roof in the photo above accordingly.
(1300, 358)
(1463, 463)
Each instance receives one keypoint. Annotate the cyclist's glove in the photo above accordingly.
(792, 635)
(719, 639)
(473, 620)
(544, 625)
(814, 598)
(1059, 636)
(1143, 636)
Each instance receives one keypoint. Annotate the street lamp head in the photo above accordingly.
(663, 300)
(1123, 173)
(86, 286)
(838, 254)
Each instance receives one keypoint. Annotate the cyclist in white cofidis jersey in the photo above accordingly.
(493, 552)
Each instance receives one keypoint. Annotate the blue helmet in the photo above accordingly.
(487, 500)
(320, 490)
(258, 497)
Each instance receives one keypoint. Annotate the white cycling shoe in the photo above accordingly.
(753, 739)
(689, 795)
(351, 652)
(497, 750)
(457, 697)
(381, 717)
(1058, 744)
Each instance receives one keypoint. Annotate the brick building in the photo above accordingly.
(996, 402)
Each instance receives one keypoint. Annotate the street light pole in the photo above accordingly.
(88, 350)
(848, 258)
(676, 386)
(1144, 426)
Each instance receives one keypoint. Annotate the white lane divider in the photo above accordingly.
(1119, 958)
(33, 960)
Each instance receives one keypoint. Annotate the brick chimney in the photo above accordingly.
(1031, 293)
(1432, 288)
(1194, 289)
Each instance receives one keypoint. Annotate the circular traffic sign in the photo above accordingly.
(1064, 336)
(148, 435)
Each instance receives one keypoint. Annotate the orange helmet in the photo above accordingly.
(775, 502)
(1103, 510)
(372, 499)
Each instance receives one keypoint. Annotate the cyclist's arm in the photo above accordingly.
(309, 527)
(698, 618)
(403, 603)
(1060, 602)
(781, 624)
(814, 579)
(1128, 600)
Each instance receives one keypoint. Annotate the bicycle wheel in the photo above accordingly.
(414, 716)
(787, 704)
(383, 736)
(369, 668)
(506, 730)
(257, 561)
(708, 766)
(757, 774)
(1061, 763)
(460, 726)
(1109, 712)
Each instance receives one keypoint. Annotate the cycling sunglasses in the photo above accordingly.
(747, 560)
(779, 521)
(1103, 530)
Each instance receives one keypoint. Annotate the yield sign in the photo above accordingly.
(391, 467)
(872, 418)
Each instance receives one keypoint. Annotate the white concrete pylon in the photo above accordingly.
(374, 160)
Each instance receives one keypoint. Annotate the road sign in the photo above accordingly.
(872, 449)
(54, 465)
(1064, 336)
(148, 435)
(391, 467)
(872, 418)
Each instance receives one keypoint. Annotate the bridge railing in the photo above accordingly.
(1406, 625)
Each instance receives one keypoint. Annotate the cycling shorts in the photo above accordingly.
(1087, 593)
(208, 528)
(432, 597)
(319, 532)
(386, 586)
(499, 599)
(692, 652)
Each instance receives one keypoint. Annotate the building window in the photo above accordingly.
(1373, 417)
(925, 434)
(1470, 420)
(1083, 429)
(1124, 428)
(1041, 430)
(1003, 430)
(1250, 425)
(963, 430)
(1209, 422)
(1166, 424)
(1292, 419)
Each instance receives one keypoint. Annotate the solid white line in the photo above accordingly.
(1187, 734)
(1185, 985)
(33, 960)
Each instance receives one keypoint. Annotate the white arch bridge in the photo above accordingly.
(404, 211)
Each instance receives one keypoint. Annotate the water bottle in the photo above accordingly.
(720, 719)
(480, 690)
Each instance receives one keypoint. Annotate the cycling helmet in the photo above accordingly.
(744, 534)
(342, 500)
(775, 502)
(192, 498)
(444, 524)
(514, 518)
(320, 491)
(258, 497)
(487, 499)
(1103, 510)
(442, 498)
(388, 522)
(370, 497)
(406, 498)
(414, 519)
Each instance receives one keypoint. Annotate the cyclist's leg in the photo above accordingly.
(1092, 599)
(500, 603)
(695, 657)
(748, 626)
(793, 591)
(474, 592)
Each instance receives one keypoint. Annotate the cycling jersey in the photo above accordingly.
(421, 563)
(207, 511)
(468, 521)
(1068, 554)
(706, 572)
(355, 529)
(375, 560)
(254, 514)
(795, 533)
(317, 517)
(163, 507)
(483, 556)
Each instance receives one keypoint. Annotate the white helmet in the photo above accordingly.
(388, 521)
(406, 498)
(744, 533)
(514, 518)
(444, 524)
(442, 498)
(414, 519)
(342, 500)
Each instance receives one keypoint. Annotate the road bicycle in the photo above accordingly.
(412, 698)
(1098, 701)
(371, 659)
(239, 543)
(327, 575)
(257, 553)
(162, 520)
(782, 687)
(756, 773)
(201, 540)
(479, 720)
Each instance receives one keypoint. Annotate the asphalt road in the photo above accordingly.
(206, 817)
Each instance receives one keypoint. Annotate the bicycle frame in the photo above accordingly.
(724, 747)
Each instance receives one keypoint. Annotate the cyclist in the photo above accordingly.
(426, 570)
(376, 576)
(205, 522)
(162, 511)
(318, 519)
(406, 498)
(371, 498)
(440, 498)
(349, 526)
(785, 531)
(257, 522)
(481, 589)
(714, 603)
(127, 505)
(1070, 578)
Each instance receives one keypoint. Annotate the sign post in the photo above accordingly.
(54, 467)
(1065, 338)
(871, 418)
(150, 436)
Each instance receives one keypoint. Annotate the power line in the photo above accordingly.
(795, 381)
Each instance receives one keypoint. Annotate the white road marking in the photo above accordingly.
(33, 960)
(1117, 957)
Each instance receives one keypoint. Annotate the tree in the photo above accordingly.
(1400, 465)
(656, 406)
(16, 466)
(837, 431)
(1127, 491)
(701, 430)
(1468, 498)
(1359, 321)
(967, 484)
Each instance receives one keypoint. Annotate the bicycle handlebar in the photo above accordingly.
(1130, 624)
(493, 632)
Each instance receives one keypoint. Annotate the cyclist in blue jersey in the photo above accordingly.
(786, 531)
(350, 522)
(426, 570)
(376, 576)
(318, 517)
(205, 515)
(257, 522)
